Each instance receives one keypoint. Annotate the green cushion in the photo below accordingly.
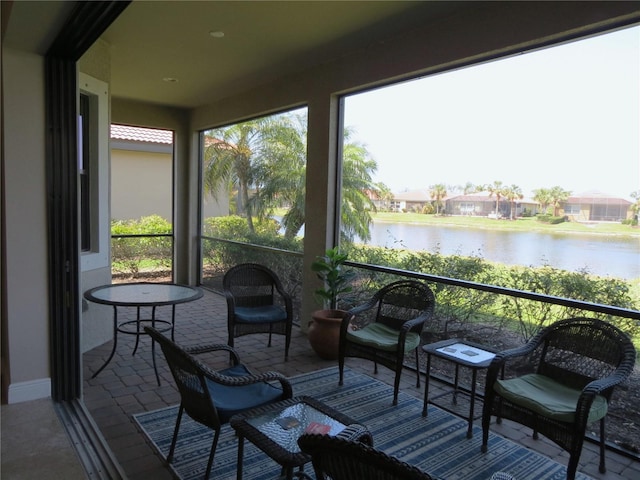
(380, 336)
(547, 397)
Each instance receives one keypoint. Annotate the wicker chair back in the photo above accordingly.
(339, 459)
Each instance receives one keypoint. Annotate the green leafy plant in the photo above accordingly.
(330, 268)
(139, 247)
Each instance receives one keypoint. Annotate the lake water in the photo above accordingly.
(599, 254)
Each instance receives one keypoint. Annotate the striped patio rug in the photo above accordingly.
(437, 444)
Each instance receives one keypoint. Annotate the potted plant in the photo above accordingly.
(324, 328)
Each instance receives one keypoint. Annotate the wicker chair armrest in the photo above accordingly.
(503, 357)
(288, 303)
(364, 307)
(282, 292)
(229, 296)
(496, 367)
(414, 323)
(357, 433)
(200, 349)
(344, 325)
(222, 379)
(600, 385)
(516, 352)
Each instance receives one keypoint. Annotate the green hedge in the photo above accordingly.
(141, 255)
(457, 306)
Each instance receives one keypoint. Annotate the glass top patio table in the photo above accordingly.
(143, 294)
(140, 295)
(276, 428)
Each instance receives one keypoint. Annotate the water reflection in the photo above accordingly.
(601, 255)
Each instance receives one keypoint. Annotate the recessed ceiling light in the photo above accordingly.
(216, 34)
(170, 80)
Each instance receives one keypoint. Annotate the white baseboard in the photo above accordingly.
(31, 390)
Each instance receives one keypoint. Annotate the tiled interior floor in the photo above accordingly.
(128, 386)
(35, 444)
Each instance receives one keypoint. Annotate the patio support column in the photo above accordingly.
(322, 187)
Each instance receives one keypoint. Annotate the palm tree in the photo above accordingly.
(285, 184)
(437, 192)
(267, 157)
(470, 188)
(248, 159)
(541, 195)
(357, 171)
(557, 196)
(513, 193)
(635, 207)
(232, 160)
(283, 174)
(497, 189)
(385, 194)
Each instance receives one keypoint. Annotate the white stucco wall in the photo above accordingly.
(140, 184)
(27, 321)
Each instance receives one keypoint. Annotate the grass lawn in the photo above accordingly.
(521, 224)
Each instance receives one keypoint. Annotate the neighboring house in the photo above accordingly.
(142, 175)
(410, 201)
(483, 204)
(595, 206)
(141, 172)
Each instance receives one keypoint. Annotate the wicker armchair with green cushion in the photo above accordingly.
(257, 303)
(212, 397)
(575, 365)
(388, 327)
(344, 458)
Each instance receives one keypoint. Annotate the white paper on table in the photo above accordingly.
(466, 352)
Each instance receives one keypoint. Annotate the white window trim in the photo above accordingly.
(99, 255)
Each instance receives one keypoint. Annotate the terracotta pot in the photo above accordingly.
(324, 332)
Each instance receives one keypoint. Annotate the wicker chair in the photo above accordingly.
(576, 363)
(394, 319)
(257, 303)
(213, 397)
(340, 458)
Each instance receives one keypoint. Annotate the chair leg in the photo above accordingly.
(341, 370)
(486, 421)
(287, 344)
(417, 369)
(396, 384)
(572, 467)
(212, 453)
(175, 434)
(602, 468)
(230, 342)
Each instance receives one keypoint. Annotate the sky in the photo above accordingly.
(567, 116)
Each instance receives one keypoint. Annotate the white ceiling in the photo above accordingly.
(154, 40)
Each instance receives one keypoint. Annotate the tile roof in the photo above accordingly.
(597, 197)
(139, 134)
(421, 195)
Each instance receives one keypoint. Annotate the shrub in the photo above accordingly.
(456, 307)
(428, 209)
(131, 255)
(546, 218)
(533, 315)
(220, 256)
